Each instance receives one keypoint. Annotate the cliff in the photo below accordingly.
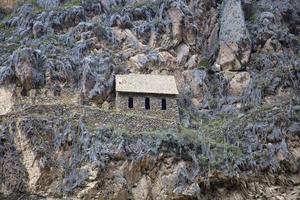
(237, 68)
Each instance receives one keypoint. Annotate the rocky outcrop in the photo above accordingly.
(235, 43)
(176, 17)
(28, 67)
(97, 79)
(6, 100)
(83, 158)
(238, 83)
(48, 4)
(239, 112)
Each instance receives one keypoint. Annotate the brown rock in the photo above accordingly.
(192, 62)
(213, 38)
(239, 82)
(143, 188)
(271, 46)
(6, 100)
(235, 43)
(28, 66)
(176, 16)
(182, 53)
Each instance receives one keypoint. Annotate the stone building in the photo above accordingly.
(150, 95)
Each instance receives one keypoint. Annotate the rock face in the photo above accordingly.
(37, 29)
(235, 43)
(28, 66)
(6, 100)
(236, 65)
(239, 83)
(58, 151)
(48, 4)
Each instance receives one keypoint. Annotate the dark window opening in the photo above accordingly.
(147, 103)
(163, 104)
(130, 102)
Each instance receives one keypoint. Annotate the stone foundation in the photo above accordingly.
(129, 122)
(96, 118)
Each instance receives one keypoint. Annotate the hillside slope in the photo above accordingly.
(237, 68)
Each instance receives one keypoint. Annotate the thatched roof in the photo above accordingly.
(142, 83)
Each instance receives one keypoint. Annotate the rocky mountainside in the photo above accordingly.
(237, 68)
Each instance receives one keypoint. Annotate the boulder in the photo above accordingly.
(266, 18)
(138, 62)
(176, 16)
(38, 29)
(122, 22)
(239, 83)
(275, 136)
(212, 43)
(294, 129)
(23, 17)
(72, 16)
(6, 100)
(271, 46)
(152, 61)
(7, 76)
(182, 53)
(128, 38)
(107, 4)
(192, 62)
(235, 43)
(28, 66)
(142, 191)
(97, 80)
(178, 183)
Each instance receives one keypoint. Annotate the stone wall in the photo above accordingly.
(96, 118)
(130, 122)
(155, 110)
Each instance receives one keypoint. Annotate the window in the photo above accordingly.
(130, 102)
(163, 104)
(147, 103)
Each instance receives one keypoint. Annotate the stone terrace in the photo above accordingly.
(96, 118)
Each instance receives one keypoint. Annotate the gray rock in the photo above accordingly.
(199, 76)
(38, 29)
(7, 76)
(235, 43)
(28, 67)
(72, 16)
(275, 135)
(2, 37)
(294, 129)
(23, 17)
(97, 79)
(48, 4)
(92, 8)
(267, 15)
